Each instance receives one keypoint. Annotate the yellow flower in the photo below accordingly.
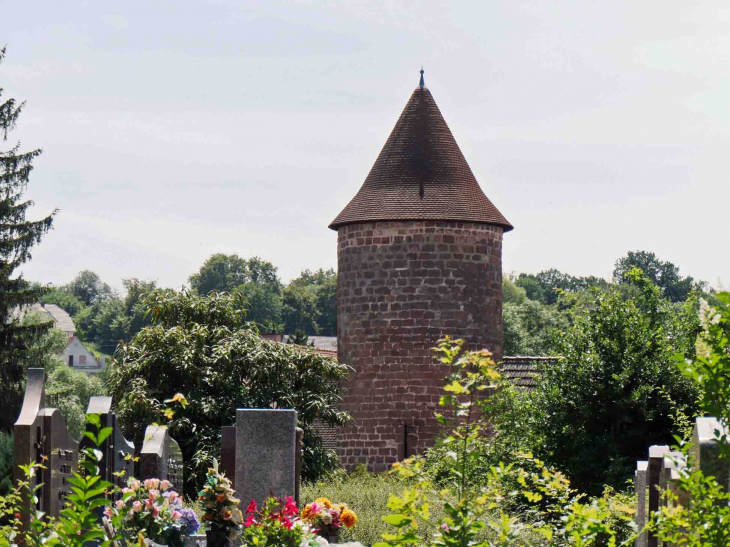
(324, 501)
(306, 512)
(348, 518)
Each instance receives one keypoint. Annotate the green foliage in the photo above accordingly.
(272, 525)
(474, 512)
(17, 237)
(263, 305)
(310, 303)
(225, 273)
(299, 309)
(203, 347)
(528, 327)
(6, 463)
(511, 293)
(547, 286)
(664, 275)
(62, 297)
(88, 287)
(69, 390)
(615, 391)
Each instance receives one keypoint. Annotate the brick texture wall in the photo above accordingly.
(402, 286)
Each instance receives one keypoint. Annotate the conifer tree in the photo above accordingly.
(17, 237)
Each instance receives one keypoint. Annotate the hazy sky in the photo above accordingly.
(174, 130)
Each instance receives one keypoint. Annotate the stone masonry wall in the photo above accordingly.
(402, 286)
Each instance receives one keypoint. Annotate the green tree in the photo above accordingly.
(263, 305)
(88, 287)
(664, 275)
(61, 297)
(528, 327)
(547, 285)
(202, 347)
(511, 293)
(299, 309)
(616, 390)
(17, 237)
(224, 273)
(298, 312)
(134, 308)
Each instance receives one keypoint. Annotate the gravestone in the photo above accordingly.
(266, 453)
(654, 474)
(41, 436)
(118, 451)
(673, 466)
(705, 450)
(640, 482)
(298, 446)
(227, 465)
(161, 457)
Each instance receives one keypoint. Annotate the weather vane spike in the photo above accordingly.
(421, 84)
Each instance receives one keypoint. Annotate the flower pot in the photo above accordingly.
(218, 537)
(330, 533)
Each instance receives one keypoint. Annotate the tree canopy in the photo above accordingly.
(18, 236)
(663, 274)
(203, 347)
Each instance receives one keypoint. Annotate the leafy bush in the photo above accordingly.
(203, 347)
(6, 462)
(615, 391)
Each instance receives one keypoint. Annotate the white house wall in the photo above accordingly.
(83, 359)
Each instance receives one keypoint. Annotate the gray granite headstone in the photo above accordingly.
(161, 457)
(640, 482)
(705, 450)
(654, 474)
(265, 454)
(673, 466)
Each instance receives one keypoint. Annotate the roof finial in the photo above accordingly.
(421, 84)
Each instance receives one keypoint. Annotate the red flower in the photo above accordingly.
(250, 520)
(290, 509)
(251, 507)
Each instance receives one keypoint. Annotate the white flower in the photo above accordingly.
(326, 517)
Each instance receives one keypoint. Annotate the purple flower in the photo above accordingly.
(189, 519)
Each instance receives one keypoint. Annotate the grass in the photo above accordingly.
(367, 495)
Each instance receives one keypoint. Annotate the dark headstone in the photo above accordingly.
(228, 453)
(41, 436)
(161, 457)
(640, 482)
(118, 451)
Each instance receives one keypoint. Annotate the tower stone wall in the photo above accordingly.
(403, 285)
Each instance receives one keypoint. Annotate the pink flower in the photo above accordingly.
(445, 526)
(316, 508)
(176, 515)
(120, 505)
(137, 506)
(173, 497)
(126, 490)
(164, 485)
(249, 521)
(135, 485)
(251, 507)
(149, 503)
(155, 511)
(151, 484)
(154, 493)
(108, 512)
(290, 508)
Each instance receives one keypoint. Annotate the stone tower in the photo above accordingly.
(419, 257)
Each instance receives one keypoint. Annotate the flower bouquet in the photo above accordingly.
(276, 524)
(152, 509)
(327, 518)
(222, 515)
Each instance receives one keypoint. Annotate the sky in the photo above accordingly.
(174, 130)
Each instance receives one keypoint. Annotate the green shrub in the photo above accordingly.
(6, 462)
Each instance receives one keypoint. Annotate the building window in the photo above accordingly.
(70, 360)
(82, 360)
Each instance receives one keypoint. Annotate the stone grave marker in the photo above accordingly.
(266, 453)
(705, 452)
(118, 451)
(640, 482)
(161, 457)
(41, 436)
(654, 474)
(228, 453)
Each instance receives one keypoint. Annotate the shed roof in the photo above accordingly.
(421, 174)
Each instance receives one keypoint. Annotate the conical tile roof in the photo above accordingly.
(420, 174)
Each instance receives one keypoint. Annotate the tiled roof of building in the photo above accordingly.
(421, 174)
(61, 319)
(523, 371)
